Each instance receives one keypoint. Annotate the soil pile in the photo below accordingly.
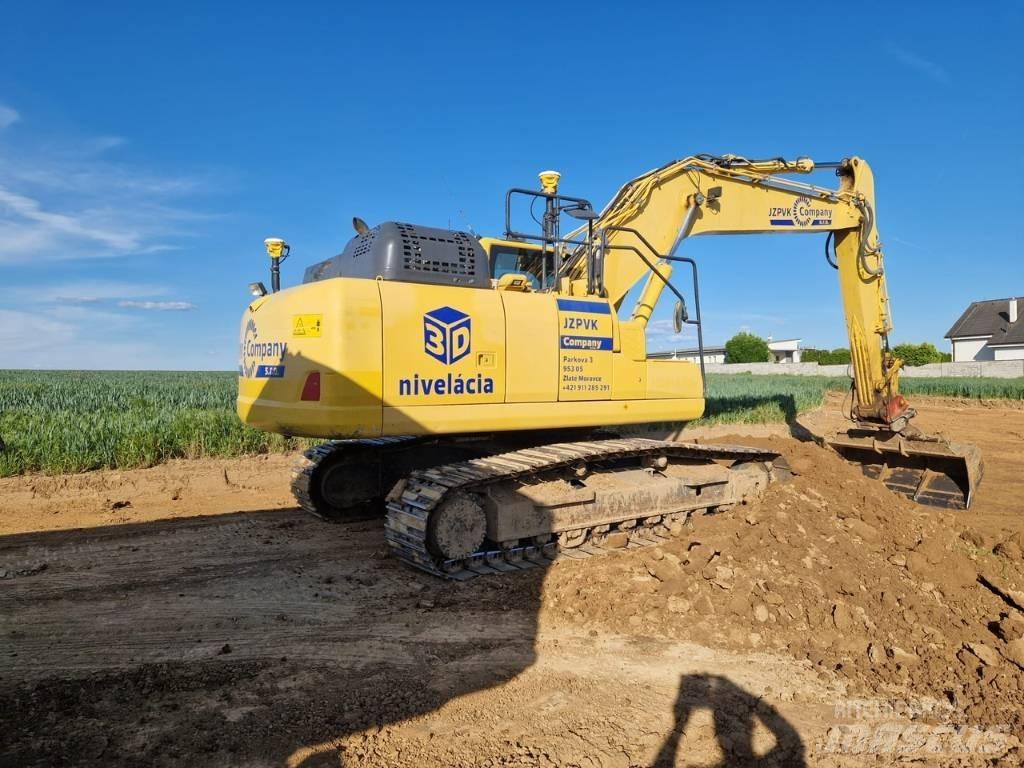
(898, 600)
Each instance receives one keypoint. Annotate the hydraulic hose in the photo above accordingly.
(862, 252)
(828, 251)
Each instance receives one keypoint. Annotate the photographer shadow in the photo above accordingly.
(735, 713)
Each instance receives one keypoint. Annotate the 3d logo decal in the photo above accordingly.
(446, 338)
(446, 334)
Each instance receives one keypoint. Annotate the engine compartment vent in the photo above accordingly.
(411, 253)
(455, 256)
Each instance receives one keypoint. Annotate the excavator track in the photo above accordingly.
(358, 490)
(433, 510)
(347, 480)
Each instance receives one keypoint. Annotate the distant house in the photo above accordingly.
(785, 350)
(711, 355)
(989, 330)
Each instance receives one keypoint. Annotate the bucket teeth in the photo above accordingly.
(925, 468)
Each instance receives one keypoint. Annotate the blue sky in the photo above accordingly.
(147, 149)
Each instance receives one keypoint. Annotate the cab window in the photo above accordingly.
(525, 261)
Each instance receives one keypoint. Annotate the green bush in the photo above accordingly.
(747, 348)
(918, 354)
(838, 356)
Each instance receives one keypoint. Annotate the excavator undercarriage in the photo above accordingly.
(514, 509)
(348, 480)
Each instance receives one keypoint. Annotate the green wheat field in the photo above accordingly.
(72, 421)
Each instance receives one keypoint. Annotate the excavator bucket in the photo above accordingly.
(924, 468)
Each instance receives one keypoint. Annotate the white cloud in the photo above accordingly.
(27, 331)
(81, 226)
(160, 306)
(661, 336)
(74, 200)
(8, 116)
(103, 143)
(89, 291)
(90, 317)
(72, 338)
(930, 69)
(82, 170)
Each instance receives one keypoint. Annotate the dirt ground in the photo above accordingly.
(189, 615)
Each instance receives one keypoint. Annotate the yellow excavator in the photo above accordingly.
(472, 388)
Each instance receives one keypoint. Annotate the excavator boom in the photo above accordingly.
(705, 195)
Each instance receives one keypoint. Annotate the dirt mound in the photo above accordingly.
(899, 600)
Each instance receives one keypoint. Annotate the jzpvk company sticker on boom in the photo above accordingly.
(802, 213)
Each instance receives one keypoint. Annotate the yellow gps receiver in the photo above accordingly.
(276, 247)
(277, 250)
(549, 181)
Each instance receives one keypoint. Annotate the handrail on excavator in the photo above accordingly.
(668, 284)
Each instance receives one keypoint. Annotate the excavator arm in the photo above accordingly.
(704, 195)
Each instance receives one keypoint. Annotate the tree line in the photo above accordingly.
(749, 348)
